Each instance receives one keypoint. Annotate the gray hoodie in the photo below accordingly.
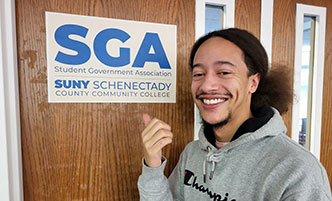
(262, 165)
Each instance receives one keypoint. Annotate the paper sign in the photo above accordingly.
(93, 59)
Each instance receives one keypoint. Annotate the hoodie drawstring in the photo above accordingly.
(210, 157)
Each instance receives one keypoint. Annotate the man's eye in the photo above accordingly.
(198, 74)
(224, 73)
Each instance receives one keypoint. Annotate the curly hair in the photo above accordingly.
(274, 88)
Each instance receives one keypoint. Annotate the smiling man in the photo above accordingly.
(221, 86)
(243, 152)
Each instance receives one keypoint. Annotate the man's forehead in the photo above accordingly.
(221, 45)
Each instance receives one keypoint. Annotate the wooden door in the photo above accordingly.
(247, 16)
(283, 53)
(92, 151)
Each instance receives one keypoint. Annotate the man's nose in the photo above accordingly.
(210, 83)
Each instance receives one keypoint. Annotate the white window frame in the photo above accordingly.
(229, 12)
(11, 185)
(267, 26)
(318, 74)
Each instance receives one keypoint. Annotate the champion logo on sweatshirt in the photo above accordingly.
(190, 180)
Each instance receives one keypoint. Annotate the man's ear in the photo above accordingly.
(253, 82)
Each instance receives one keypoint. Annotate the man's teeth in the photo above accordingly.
(213, 101)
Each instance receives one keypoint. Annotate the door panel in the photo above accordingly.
(245, 18)
(283, 44)
(283, 53)
(92, 151)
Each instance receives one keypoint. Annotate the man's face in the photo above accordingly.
(220, 86)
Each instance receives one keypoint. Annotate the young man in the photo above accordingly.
(243, 152)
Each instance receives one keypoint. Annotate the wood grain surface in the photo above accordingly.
(248, 16)
(283, 53)
(92, 151)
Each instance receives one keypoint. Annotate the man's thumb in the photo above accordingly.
(146, 119)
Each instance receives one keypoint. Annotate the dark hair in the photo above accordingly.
(274, 87)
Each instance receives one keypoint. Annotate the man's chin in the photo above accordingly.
(216, 124)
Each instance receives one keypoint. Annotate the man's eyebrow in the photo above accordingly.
(224, 63)
(217, 63)
(197, 65)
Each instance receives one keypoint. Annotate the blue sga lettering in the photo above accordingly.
(150, 50)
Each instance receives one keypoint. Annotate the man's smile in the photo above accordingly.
(213, 101)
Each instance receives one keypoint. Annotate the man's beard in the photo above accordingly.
(210, 128)
(217, 125)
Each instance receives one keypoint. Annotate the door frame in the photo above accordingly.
(11, 183)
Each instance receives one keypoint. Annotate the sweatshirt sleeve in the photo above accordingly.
(153, 185)
(176, 179)
(312, 183)
(309, 195)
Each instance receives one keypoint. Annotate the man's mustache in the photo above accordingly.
(213, 94)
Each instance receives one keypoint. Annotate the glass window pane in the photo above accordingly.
(306, 81)
(213, 18)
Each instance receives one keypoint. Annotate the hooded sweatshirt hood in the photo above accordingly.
(274, 126)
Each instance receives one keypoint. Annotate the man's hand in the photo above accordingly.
(155, 136)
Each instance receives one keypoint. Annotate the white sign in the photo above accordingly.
(93, 59)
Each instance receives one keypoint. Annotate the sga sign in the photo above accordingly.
(91, 59)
